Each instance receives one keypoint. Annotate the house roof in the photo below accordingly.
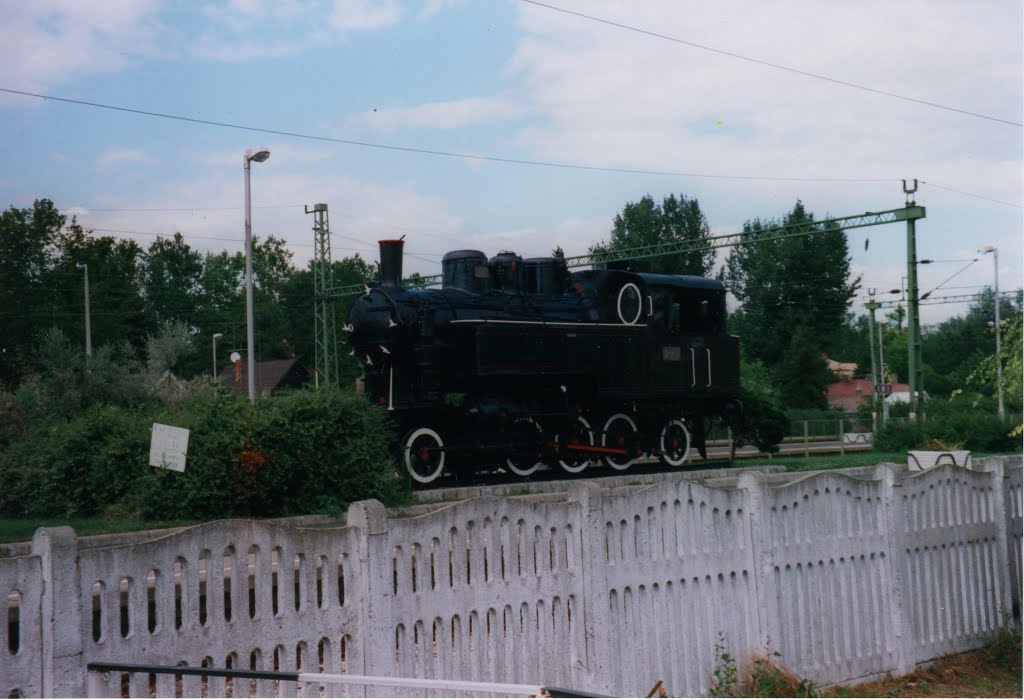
(270, 375)
(842, 369)
(849, 394)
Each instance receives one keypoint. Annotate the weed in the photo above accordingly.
(769, 680)
(725, 674)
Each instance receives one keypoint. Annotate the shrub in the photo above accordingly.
(763, 423)
(898, 436)
(305, 452)
(975, 425)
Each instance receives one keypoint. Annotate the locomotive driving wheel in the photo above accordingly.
(674, 443)
(576, 461)
(524, 458)
(423, 454)
(619, 431)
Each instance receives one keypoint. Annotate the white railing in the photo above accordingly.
(601, 590)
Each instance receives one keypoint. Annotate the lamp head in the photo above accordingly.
(259, 156)
(218, 335)
(987, 249)
(81, 266)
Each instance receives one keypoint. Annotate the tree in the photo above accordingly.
(28, 241)
(116, 304)
(852, 343)
(789, 288)
(674, 221)
(171, 280)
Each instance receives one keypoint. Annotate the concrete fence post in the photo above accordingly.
(891, 519)
(596, 671)
(371, 519)
(762, 552)
(994, 466)
(63, 670)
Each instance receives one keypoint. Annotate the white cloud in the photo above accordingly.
(621, 99)
(453, 114)
(52, 41)
(349, 15)
(123, 156)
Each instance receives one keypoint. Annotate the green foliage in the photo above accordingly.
(726, 675)
(768, 680)
(817, 414)
(969, 421)
(673, 221)
(763, 423)
(790, 286)
(169, 347)
(899, 435)
(73, 469)
(67, 380)
(801, 374)
(297, 453)
(28, 240)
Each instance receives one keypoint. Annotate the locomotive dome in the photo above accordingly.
(465, 270)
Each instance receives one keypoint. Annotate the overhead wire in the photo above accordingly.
(769, 64)
(435, 152)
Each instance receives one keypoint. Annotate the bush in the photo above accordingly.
(898, 436)
(298, 453)
(974, 424)
(763, 423)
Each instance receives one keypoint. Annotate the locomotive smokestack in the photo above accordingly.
(391, 262)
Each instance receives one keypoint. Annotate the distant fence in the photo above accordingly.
(599, 590)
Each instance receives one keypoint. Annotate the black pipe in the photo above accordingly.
(391, 262)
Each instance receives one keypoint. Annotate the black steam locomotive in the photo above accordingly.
(519, 363)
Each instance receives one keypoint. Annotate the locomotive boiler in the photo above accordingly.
(519, 364)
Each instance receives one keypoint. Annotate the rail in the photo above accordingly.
(98, 686)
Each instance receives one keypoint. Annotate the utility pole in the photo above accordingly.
(1001, 410)
(88, 322)
(325, 330)
(871, 306)
(914, 368)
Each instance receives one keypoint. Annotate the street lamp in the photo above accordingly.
(999, 362)
(215, 336)
(259, 157)
(88, 324)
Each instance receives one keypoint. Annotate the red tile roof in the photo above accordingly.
(270, 375)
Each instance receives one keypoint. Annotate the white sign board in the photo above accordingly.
(168, 447)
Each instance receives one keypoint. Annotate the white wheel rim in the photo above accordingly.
(670, 461)
(574, 468)
(609, 459)
(525, 471)
(407, 455)
(639, 305)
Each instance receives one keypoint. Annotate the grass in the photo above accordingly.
(831, 461)
(21, 530)
(993, 671)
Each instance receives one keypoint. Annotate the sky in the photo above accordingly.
(402, 117)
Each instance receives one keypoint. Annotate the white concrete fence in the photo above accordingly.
(602, 590)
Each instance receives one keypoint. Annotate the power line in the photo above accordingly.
(89, 210)
(432, 152)
(454, 154)
(777, 66)
(971, 194)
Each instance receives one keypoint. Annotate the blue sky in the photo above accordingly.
(511, 79)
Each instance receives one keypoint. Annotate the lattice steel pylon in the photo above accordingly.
(326, 331)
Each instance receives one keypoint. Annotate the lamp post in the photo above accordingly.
(88, 323)
(215, 336)
(259, 157)
(999, 362)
